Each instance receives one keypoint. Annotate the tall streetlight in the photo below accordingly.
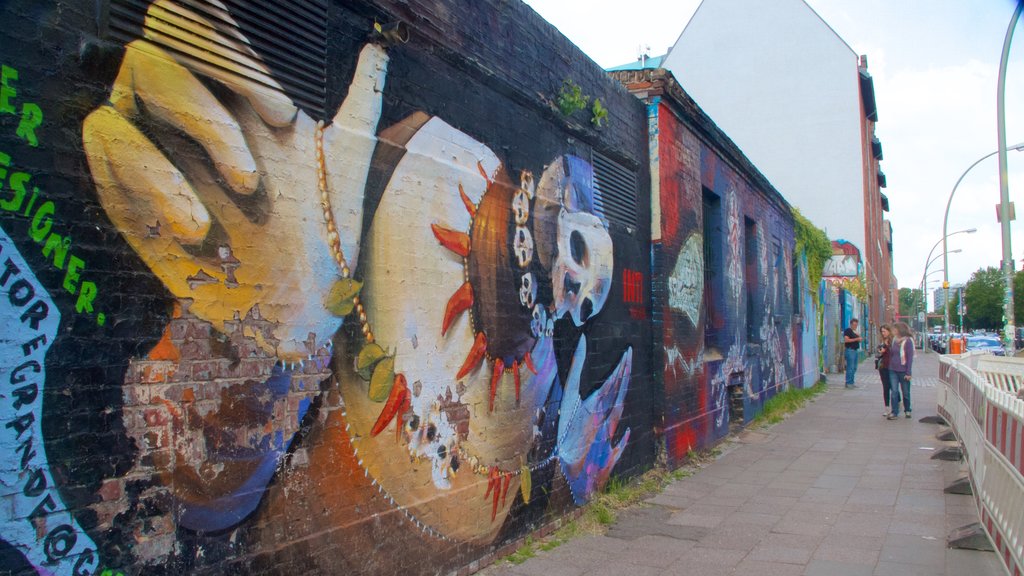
(1009, 332)
(923, 313)
(945, 223)
(943, 242)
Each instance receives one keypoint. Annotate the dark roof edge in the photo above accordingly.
(661, 82)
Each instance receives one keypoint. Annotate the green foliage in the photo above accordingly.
(787, 402)
(855, 286)
(571, 98)
(600, 114)
(984, 297)
(1018, 297)
(954, 308)
(524, 553)
(813, 242)
(910, 301)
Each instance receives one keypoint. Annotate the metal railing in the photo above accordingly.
(979, 401)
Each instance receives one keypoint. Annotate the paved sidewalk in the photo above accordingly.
(835, 490)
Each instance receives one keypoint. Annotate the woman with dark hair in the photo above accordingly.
(882, 363)
(901, 362)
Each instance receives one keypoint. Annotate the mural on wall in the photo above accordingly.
(376, 331)
(845, 260)
(714, 362)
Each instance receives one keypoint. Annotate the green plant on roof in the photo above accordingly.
(600, 114)
(571, 98)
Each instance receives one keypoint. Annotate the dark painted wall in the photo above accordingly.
(305, 299)
(727, 334)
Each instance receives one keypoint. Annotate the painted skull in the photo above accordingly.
(523, 246)
(521, 207)
(582, 272)
(527, 290)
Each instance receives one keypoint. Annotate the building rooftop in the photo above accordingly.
(640, 64)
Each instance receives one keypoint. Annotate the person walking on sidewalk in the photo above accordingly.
(882, 363)
(852, 340)
(901, 363)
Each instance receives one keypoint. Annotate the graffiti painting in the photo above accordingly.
(383, 329)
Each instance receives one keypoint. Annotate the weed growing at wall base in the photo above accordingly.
(603, 510)
(787, 402)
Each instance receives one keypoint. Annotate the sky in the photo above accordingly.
(935, 66)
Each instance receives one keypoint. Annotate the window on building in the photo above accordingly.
(714, 268)
(752, 280)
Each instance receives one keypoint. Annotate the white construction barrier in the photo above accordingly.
(979, 400)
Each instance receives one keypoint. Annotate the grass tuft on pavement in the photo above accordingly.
(784, 403)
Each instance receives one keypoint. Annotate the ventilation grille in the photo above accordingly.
(616, 192)
(289, 37)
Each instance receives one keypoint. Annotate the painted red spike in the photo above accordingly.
(470, 207)
(457, 304)
(397, 400)
(499, 369)
(457, 242)
(496, 495)
(490, 481)
(528, 360)
(515, 372)
(480, 167)
(406, 405)
(475, 356)
(504, 491)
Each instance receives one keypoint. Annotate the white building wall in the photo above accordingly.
(780, 82)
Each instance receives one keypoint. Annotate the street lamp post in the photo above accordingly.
(1009, 333)
(945, 223)
(924, 295)
(943, 242)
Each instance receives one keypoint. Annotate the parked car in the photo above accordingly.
(986, 344)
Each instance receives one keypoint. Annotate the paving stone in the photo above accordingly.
(834, 568)
(862, 524)
(717, 556)
(843, 553)
(762, 568)
(908, 549)
(734, 536)
(847, 483)
(972, 562)
(898, 569)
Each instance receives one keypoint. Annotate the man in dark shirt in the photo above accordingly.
(852, 340)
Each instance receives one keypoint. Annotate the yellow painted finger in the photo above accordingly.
(138, 186)
(173, 96)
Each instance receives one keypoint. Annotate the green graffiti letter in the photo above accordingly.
(7, 75)
(17, 182)
(5, 163)
(59, 247)
(42, 222)
(31, 118)
(71, 276)
(85, 297)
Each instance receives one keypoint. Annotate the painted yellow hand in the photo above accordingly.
(209, 171)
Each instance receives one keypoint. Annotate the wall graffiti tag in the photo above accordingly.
(34, 518)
